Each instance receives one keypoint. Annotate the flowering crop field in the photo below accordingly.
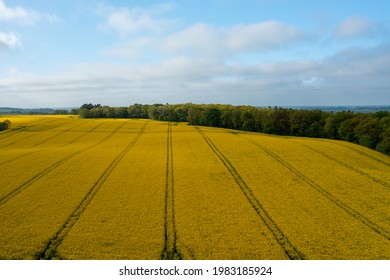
(75, 188)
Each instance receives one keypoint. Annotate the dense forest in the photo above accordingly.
(368, 129)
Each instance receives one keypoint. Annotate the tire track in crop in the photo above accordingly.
(24, 138)
(56, 135)
(32, 134)
(45, 140)
(170, 251)
(324, 192)
(18, 157)
(363, 153)
(346, 165)
(66, 144)
(85, 133)
(292, 252)
(50, 249)
(9, 132)
(43, 173)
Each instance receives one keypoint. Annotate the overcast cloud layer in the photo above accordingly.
(118, 55)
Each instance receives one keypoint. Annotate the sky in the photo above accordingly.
(241, 52)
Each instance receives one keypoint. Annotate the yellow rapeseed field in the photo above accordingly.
(316, 220)
(34, 210)
(125, 220)
(214, 219)
(75, 188)
(339, 180)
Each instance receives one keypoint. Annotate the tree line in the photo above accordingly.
(368, 129)
(4, 125)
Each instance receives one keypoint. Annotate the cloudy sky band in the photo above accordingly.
(118, 54)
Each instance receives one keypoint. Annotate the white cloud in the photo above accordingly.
(131, 50)
(351, 77)
(261, 35)
(199, 38)
(9, 40)
(23, 15)
(162, 37)
(133, 20)
(191, 65)
(17, 13)
(236, 39)
(354, 26)
(205, 40)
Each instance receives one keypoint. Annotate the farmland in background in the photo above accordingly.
(75, 188)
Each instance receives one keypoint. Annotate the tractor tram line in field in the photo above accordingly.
(376, 180)
(384, 233)
(289, 249)
(21, 139)
(39, 133)
(43, 173)
(170, 251)
(82, 135)
(349, 147)
(42, 150)
(362, 153)
(144, 189)
(50, 249)
(12, 132)
(54, 136)
(20, 156)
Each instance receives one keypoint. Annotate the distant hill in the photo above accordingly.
(356, 109)
(17, 111)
